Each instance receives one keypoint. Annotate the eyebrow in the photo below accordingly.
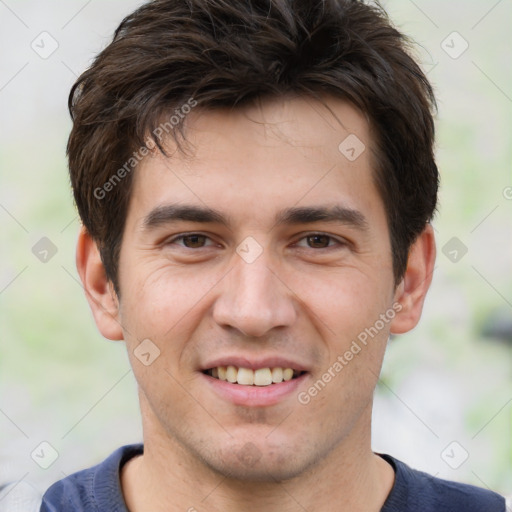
(169, 213)
(309, 214)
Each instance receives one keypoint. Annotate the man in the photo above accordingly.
(256, 181)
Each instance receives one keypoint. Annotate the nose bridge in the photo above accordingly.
(252, 299)
(254, 282)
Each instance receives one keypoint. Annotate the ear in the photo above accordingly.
(98, 289)
(412, 290)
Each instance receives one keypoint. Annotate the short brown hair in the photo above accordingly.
(222, 53)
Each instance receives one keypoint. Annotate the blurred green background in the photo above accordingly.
(61, 382)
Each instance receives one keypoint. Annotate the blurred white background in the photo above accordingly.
(444, 404)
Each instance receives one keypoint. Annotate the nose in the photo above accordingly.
(254, 299)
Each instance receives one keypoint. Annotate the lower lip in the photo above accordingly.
(254, 396)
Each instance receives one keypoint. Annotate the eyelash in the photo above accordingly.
(331, 238)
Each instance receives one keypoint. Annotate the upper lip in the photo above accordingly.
(255, 363)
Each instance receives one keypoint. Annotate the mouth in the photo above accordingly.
(258, 377)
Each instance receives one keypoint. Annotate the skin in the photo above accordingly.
(299, 299)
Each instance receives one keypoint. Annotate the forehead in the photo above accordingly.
(257, 159)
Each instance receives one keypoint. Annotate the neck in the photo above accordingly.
(351, 478)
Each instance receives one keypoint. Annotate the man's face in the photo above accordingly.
(263, 283)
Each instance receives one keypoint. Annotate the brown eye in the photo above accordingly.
(318, 241)
(194, 241)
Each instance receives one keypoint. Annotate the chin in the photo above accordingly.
(261, 462)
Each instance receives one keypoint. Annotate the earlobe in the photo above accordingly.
(98, 289)
(411, 292)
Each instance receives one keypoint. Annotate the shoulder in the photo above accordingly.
(418, 491)
(94, 489)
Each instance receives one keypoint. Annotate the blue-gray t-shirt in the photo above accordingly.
(98, 489)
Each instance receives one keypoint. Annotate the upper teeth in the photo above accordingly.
(249, 377)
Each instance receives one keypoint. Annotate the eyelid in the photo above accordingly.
(181, 236)
(340, 241)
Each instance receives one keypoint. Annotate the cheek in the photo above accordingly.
(345, 310)
(163, 302)
(343, 301)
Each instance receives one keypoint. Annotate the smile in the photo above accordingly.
(250, 377)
